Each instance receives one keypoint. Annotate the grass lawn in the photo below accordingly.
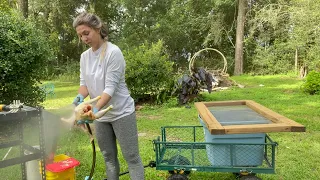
(297, 156)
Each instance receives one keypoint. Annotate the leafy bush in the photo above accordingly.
(149, 72)
(312, 83)
(23, 55)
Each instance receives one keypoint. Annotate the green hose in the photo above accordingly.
(93, 153)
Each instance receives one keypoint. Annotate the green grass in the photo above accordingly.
(297, 155)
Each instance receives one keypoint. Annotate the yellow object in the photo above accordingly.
(69, 174)
(3, 107)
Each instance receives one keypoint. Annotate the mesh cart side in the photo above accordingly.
(184, 148)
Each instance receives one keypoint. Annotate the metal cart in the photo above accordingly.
(182, 149)
(15, 122)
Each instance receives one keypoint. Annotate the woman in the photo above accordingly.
(102, 73)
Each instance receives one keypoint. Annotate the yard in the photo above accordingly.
(297, 153)
(297, 156)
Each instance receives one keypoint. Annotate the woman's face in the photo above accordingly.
(88, 35)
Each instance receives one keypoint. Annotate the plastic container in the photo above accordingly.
(63, 168)
(234, 149)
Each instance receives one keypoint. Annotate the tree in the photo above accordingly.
(5, 6)
(185, 26)
(241, 19)
(55, 19)
(279, 29)
(23, 5)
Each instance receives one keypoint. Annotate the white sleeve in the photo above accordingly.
(115, 68)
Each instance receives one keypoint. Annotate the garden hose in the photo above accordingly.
(93, 153)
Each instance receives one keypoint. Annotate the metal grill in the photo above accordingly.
(184, 148)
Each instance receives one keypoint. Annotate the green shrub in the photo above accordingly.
(149, 73)
(312, 83)
(23, 54)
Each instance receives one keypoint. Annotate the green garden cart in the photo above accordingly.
(182, 149)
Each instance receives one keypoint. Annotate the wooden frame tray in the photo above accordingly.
(278, 123)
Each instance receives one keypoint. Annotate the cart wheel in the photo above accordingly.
(179, 160)
(178, 177)
(184, 172)
(239, 175)
(250, 177)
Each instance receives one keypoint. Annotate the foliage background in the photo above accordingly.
(275, 32)
(24, 52)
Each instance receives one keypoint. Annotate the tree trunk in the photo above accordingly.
(23, 5)
(238, 66)
(296, 61)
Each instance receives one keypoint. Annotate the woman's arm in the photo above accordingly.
(105, 98)
(83, 91)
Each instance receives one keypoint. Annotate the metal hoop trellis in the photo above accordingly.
(192, 60)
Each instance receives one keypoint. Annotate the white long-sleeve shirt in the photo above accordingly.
(107, 74)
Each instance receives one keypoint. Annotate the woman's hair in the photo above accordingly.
(92, 21)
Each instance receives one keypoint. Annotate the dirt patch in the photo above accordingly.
(151, 117)
(142, 134)
(288, 91)
(138, 107)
